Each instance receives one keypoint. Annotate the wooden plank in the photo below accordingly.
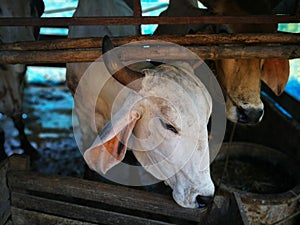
(19, 162)
(25, 217)
(4, 193)
(61, 56)
(157, 52)
(77, 211)
(224, 211)
(63, 21)
(190, 39)
(112, 195)
(241, 208)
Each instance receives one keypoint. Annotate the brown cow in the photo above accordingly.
(239, 78)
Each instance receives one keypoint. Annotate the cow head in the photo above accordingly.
(164, 123)
(240, 78)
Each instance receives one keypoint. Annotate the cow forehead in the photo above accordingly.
(172, 82)
(234, 72)
(177, 95)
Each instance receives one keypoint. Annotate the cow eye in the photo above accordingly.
(169, 127)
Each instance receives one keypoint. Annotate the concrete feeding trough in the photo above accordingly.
(266, 180)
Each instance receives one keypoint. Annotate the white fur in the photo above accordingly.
(183, 159)
(11, 76)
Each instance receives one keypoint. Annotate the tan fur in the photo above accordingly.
(239, 78)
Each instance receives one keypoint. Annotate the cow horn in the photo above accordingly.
(125, 76)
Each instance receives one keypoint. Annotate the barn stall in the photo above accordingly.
(50, 201)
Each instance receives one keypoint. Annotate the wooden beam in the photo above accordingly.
(156, 52)
(100, 193)
(63, 22)
(190, 39)
(25, 217)
(76, 211)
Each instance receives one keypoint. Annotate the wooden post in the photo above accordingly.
(137, 9)
(5, 211)
(137, 12)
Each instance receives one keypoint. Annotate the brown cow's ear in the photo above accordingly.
(275, 73)
(110, 147)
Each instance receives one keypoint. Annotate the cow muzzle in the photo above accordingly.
(204, 201)
(250, 116)
(244, 113)
(189, 194)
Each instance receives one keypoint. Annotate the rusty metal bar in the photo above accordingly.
(62, 22)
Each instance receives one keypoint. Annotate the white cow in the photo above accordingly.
(173, 137)
(95, 8)
(12, 76)
(240, 78)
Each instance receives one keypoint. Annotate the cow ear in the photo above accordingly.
(110, 146)
(275, 73)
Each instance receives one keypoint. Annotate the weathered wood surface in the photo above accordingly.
(159, 53)
(137, 8)
(190, 39)
(19, 162)
(206, 46)
(25, 217)
(63, 22)
(131, 201)
(15, 162)
(4, 193)
(77, 211)
(241, 208)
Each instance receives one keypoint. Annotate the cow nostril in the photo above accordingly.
(242, 117)
(249, 116)
(204, 201)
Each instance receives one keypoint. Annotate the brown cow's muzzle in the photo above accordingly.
(249, 116)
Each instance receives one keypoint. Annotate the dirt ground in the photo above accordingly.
(48, 121)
